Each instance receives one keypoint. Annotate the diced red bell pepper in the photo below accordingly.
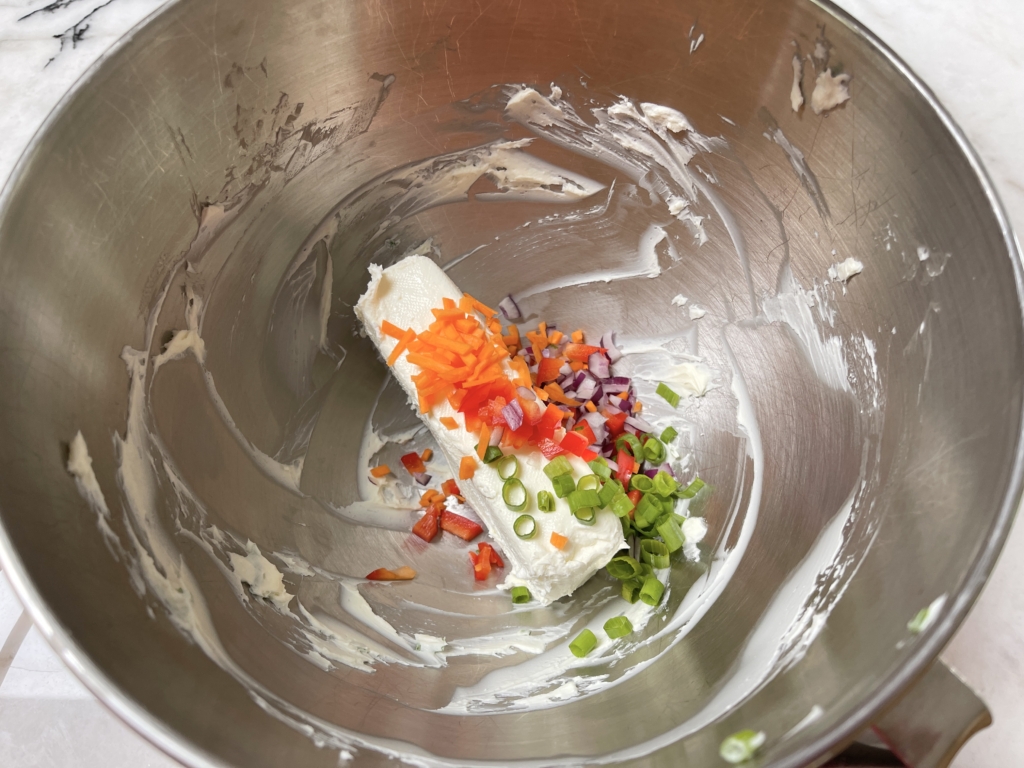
(588, 455)
(625, 462)
(414, 463)
(532, 412)
(462, 527)
(549, 422)
(449, 488)
(496, 560)
(547, 369)
(580, 353)
(616, 423)
(584, 429)
(481, 564)
(635, 497)
(550, 448)
(427, 527)
(575, 443)
(491, 412)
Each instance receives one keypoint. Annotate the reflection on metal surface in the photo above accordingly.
(223, 181)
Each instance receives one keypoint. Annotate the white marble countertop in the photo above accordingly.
(970, 56)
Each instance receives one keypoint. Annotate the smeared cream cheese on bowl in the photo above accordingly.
(658, 185)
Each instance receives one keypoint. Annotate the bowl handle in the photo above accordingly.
(929, 724)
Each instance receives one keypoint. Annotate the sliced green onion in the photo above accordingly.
(508, 467)
(492, 454)
(586, 515)
(654, 552)
(627, 527)
(583, 498)
(741, 746)
(641, 482)
(652, 590)
(589, 483)
(621, 505)
(563, 485)
(600, 467)
(646, 570)
(665, 392)
(623, 568)
(632, 443)
(514, 494)
(609, 491)
(665, 484)
(525, 527)
(654, 450)
(617, 626)
(521, 595)
(545, 501)
(631, 590)
(558, 466)
(669, 435)
(691, 490)
(647, 511)
(672, 536)
(583, 644)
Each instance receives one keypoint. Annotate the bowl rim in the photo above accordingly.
(830, 742)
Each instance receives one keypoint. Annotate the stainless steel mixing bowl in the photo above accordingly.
(234, 135)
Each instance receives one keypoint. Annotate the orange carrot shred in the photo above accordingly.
(427, 454)
(467, 467)
(380, 470)
(638, 406)
(485, 436)
(590, 406)
(401, 346)
(577, 336)
(558, 540)
(449, 422)
(390, 329)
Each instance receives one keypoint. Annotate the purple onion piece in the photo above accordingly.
(566, 370)
(566, 382)
(569, 393)
(650, 472)
(510, 309)
(613, 466)
(570, 423)
(578, 379)
(547, 352)
(586, 389)
(608, 342)
(641, 424)
(666, 467)
(422, 478)
(607, 452)
(496, 434)
(597, 363)
(526, 393)
(616, 384)
(613, 410)
(513, 413)
(597, 424)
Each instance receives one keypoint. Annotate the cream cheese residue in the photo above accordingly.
(829, 92)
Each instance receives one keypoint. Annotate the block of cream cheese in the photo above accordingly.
(404, 294)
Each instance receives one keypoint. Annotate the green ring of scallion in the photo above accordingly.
(636, 449)
(520, 595)
(514, 485)
(525, 527)
(586, 515)
(583, 644)
(545, 501)
(502, 466)
(654, 450)
(588, 483)
(641, 483)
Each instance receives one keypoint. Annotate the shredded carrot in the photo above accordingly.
(428, 497)
(577, 366)
(555, 337)
(577, 336)
(427, 454)
(380, 470)
(558, 541)
(638, 406)
(449, 422)
(541, 393)
(390, 329)
(448, 303)
(401, 346)
(467, 467)
(485, 437)
(589, 405)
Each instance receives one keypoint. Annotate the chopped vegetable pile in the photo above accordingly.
(551, 392)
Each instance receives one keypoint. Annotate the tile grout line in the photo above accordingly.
(13, 643)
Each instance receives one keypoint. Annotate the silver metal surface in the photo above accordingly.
(281, 112)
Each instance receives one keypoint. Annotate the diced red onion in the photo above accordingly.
(607, 451)
(565, 370)
(608, 342)
(615, 384)
(526, 393)
(612, 409)
(566, 382)
(510, 309)
(422, 478)
(547, 352)
(597, 363)
(496, 434)
(570, 423)
(639, 423)
(650, 472)
(513, 413)
(586, 389)
(569, 393)
(612, 465)
(666, 467)
(578, 379)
